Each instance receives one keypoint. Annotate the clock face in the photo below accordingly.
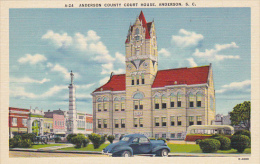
(129, 67)
(138, 41)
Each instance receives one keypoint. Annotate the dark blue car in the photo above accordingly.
(133, 144)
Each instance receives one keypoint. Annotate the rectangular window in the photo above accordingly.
(179, 120)
(99, 123)
(105, 123)
(164, 103)
(156, 102)
(141, 122)
(136, 104)
(137, 80)
(172, 135)
(116, 107)
(164, 121)
(156, 136)
(164, 135)
(142, 78)
(191, 120)
(122, 106)
(179, 96)
(133, 80)
(172, 104)
(172, 120)
(191, 104)
(179, 135)
(122, 123)
(105, 106)
(24, 122)
(156, 120)
(191, 100)
(99, 107)
(199, 120)
(179, 103)
(141, 105)
(199, 96)
(198, 103)
(116, 123)
(135, 122)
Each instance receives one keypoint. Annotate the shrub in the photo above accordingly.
(243, 132)
(30, 136)
(13, 143)
(18, 137)
(57, 139)
(78, 140)
(215, 135)
(198, 141)
(240, 142)
(70, 136)
(96, 140)
(111, 138)
(225, 142)
(209, 145)
(85, 142)
(26, 143)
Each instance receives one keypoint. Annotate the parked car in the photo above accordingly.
(133, 144)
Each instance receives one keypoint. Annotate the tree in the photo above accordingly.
(241, 115)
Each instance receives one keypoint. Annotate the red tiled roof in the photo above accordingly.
(146, 25)
(189, 76)
(116, 83)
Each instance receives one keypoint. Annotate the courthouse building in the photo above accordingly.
(156, 103)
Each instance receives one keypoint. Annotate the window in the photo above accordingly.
(143, 140)
(179, 135)
(141, 122)
(135, 122)
(199, 120)
(156, 102)
(156, 120)
(198, 98)
(137, 37)
(136, 104)
(164, 102)
(122, 106)
(105, 123)
(116, 107)
(164, 135)
(99, 123)
(136, 31)
(137, 79)
(116, 123)
(172, 120)
(179, 120)
(191, 120)
(156, 136)
(122, 123)
(164, 121)
(24, 122)
(179, 100)
(133, 80)
(105, 106)
(191, 100)
(172, 100)
(172, 135)
(135, 140)
(99, 107)
(142, 78)
(140, 104)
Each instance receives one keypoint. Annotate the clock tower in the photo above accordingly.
(141, 69)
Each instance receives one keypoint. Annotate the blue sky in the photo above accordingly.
(45, 44)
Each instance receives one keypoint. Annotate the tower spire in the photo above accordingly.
(71, 76)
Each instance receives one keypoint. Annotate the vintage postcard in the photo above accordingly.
(159, 81)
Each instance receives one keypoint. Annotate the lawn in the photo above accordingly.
(44, 145)
(175, 148)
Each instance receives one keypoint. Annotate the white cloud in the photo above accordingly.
(87, 86)
(213, 54)
(59, 40)
(20, 92)
(64, 71)
(187, 38)
(192, 62)
(120, 57)
(109, 67)
(164, 52)
(28, 80)
(32, 59)
(104, 80)
(234, 87)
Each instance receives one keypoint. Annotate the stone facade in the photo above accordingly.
(155, 103)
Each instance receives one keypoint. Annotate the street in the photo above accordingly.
(13, 154)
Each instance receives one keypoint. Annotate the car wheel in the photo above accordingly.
(126, 154)
(164, 153)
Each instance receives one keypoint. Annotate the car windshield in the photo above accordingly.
(125, 139)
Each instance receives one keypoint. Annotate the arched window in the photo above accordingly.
(116, 99)
(105, 99)
(198, 99)
(172, 98)
(138, 103)
(156, 102)
(99, 100)
(164, 102)
(136, 31)
(179, 97)
(191, 100)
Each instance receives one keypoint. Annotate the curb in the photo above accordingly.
(56, 151)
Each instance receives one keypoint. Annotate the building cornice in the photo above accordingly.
(181, 85)
(104, 92)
